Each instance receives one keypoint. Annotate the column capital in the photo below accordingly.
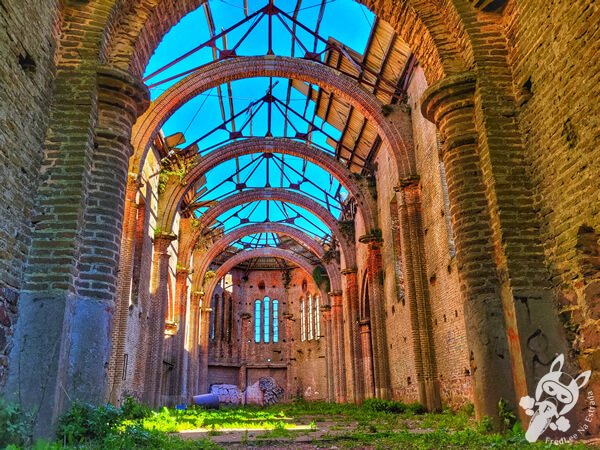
(325, 308)
(181, 270)
(121, 90)
(164, 236)
(335, 293)
(349, 271)
(375, 236)
(407, 182)
(448, 94)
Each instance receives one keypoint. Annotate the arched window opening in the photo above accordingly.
(310, 318)
(267, 319)
(302, 321)
(213, 321)
(275, 321)
(317, 317)
(257, 328)
(442, 168)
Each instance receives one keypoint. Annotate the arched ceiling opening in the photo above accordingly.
(321, 83)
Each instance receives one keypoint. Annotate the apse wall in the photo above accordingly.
(299, 366)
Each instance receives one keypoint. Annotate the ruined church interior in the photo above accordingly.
(269, 201)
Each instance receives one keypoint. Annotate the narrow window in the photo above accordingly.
(302, 321)
(396, 248)
(267, 320)
(310, 318)
(275, 321)
(451, 245)
(257, 321)
(318, 317)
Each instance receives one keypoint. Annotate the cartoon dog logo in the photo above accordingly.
(555, 395)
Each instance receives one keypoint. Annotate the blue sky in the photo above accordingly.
(344, 20)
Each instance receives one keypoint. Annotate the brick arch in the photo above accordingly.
(434, 32)
(272, 194)
(278, 228)
(258, 253)
(220, 72)
(171, 199)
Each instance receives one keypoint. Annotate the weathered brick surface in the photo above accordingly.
(554, 57)
(28, 42)
(515, 83)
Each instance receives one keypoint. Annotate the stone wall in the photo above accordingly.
(28, 40)
(554, 55)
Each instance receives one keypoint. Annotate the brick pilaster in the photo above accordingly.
(157, 316)
(123, 297)
(417, 292)
(204, 335)
(376, 314)
(367, 355)
(450, 104)
(352, 335)
(335, 299)
(326, 311)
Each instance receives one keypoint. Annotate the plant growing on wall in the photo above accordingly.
(175, 167)
(321, 278)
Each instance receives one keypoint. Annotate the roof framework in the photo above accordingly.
(288, 108)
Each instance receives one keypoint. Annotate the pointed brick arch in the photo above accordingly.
(277, 228)
(171, 199)
(435, 34)
(259, 253)
(220, 72)
(276, 194)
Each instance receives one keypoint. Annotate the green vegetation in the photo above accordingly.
(378, 424)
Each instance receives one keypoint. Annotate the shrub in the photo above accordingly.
(15, 426)
(85, 422)
(389, 406)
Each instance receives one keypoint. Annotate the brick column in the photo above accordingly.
(337, 332)
(352, 335)
(245, 339)
(367, 362)
(417, 291)
(329, 354)
(203, 363)
(157, 315)
(123, 297)
(71, 278)
(181, 317)
(192, 349)
(377, 314)
(450, 104)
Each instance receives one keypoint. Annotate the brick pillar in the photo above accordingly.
(377, 315)
(367, 362)
(119, 330)
(417, 291)
(192, 349)
(245, 339)
(179, 344)
(450, 104)
(353, 359)
(71, 278)
(157, 316)
(329, 354)
(203, 363)
(337, 332)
